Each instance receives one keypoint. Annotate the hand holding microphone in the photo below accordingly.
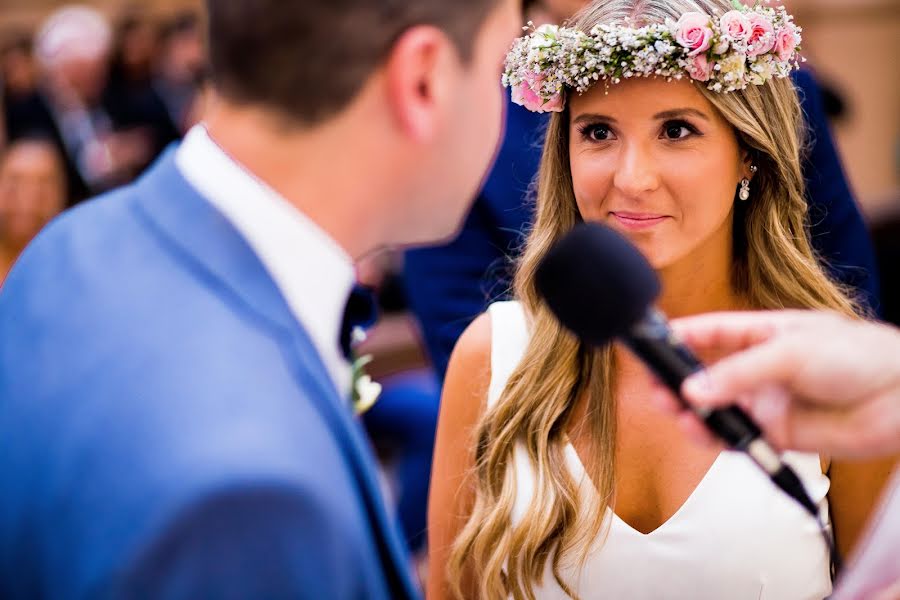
(814, 381)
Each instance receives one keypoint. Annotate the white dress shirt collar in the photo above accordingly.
(311, 270)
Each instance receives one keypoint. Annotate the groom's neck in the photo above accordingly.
(327, 171)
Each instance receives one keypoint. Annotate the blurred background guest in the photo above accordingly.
(18, 73)
(72, 49)
(106, 132)
(182, 68)
(32, 191)
(130, 94)
(136, 50)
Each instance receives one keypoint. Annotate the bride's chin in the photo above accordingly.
(654, 254)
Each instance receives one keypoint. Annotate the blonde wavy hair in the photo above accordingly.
(774, 267)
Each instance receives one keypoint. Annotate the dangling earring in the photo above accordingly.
(744, 194)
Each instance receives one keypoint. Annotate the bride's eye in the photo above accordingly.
(678, 130)
(597, 132)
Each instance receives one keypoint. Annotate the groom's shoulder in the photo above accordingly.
(118, 366)
(99, 308)
(101, 315)
(83, 247)
(99, 284)
(102, 266)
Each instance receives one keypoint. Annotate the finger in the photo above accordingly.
(769, 407)
(733, 331)
(771, 363)
(722, 331)
(868, 430)
(831, 431)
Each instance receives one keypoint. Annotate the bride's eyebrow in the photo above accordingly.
(680, 112)
(592, 118)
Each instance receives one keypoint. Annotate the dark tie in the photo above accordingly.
(361, 311)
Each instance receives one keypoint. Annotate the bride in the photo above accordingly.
(675, 123)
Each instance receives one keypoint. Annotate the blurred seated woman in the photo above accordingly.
(32, 191)
(675, 123)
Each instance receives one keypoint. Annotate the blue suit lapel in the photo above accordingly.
(391, 546)
(214, 250)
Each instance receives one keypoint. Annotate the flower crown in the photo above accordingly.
(742, 47)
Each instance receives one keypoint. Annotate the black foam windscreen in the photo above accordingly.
(596, 282)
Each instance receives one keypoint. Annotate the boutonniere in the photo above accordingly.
(364, 391)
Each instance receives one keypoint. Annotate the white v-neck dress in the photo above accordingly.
(736, 537)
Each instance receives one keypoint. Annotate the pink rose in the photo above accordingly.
(735, 25)
(694, 33)
(525, 95)
(762, 36)
(555, 103)
(785, 42)
(700, 68)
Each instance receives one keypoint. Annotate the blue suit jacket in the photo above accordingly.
(167, 427)
(448, 286)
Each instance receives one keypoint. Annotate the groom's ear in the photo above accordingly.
(420, 74)
(254, 47)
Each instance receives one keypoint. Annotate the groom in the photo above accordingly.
(174, 417)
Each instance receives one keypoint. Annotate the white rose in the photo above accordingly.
(367, 392)
(763, 70)
(734, 65)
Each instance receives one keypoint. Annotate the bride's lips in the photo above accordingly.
(637, 221)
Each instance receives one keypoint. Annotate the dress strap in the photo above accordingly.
(509, 338)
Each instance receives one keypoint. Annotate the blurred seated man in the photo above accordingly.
(32, 191)
(104, 141)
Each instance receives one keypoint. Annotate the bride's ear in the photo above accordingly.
(748, 163)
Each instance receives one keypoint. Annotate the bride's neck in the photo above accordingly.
(699, 284)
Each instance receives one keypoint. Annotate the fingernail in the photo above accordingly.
(699, 386)
(769, 405)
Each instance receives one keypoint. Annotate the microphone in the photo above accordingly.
(601, 287)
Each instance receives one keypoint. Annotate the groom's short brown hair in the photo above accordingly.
(309, 58)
